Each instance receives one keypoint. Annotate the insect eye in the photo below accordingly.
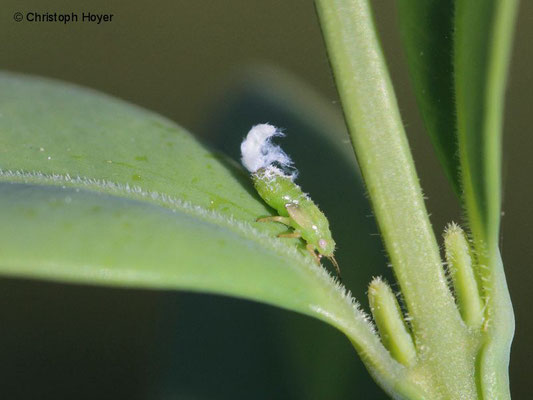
(322, 243)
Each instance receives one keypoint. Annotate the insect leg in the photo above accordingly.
(280, 219)
(290, 235)
(334, 262)
(311, 249)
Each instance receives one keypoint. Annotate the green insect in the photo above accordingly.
(277, 188)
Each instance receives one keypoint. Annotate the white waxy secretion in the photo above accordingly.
(258, 151)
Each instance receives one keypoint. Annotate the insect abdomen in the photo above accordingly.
(277, 190)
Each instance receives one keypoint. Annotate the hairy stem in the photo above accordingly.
(381, 146)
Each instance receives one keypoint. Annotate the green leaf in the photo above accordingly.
(463, 113)
(470, 69)
(427, 31)
(482, 51)
(67, 143)
(73, 234)
(94, 190)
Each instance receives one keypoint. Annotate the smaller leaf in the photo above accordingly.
(427, 30)
(390, 322)
(463, 277)
(482, 51)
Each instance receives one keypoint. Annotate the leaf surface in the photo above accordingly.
(97, 191)
(483, 41)
(72, 160)
(427, 31)
(482, 50)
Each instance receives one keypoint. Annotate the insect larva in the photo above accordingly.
(273, 175)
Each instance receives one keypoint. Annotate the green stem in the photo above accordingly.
(379, 140)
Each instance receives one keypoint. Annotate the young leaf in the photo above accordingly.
(482, 49)
(427, 30)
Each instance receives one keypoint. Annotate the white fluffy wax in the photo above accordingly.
(259, 152)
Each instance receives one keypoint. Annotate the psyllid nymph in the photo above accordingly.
(273, 175)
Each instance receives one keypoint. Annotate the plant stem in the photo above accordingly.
(445, 346)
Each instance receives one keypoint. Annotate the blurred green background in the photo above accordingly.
(216, 67)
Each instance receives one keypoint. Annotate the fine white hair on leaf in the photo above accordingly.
(258, 152)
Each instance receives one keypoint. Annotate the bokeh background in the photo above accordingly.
(215, 67)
